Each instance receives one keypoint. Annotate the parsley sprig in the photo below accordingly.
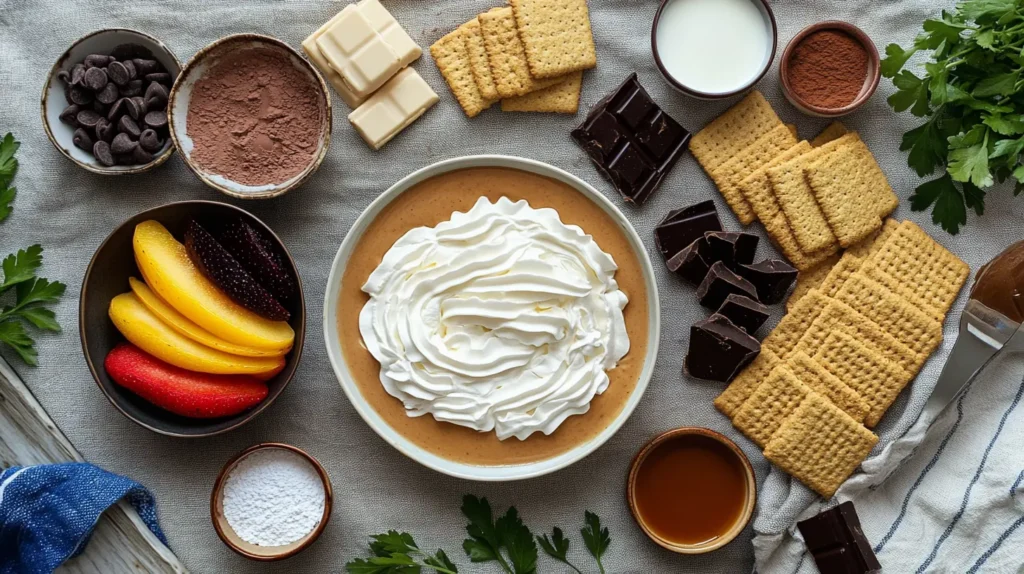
(31, 293)
(397, 553)
(972, 98)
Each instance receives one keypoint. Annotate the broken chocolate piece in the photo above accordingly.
(689, 264)
(719, 350)
(733, 249)
(631, 141)
(721, 282)
(744, 312)
(773, 278)
(837, 542)
(683, 226)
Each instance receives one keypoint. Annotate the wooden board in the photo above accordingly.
(121, 542)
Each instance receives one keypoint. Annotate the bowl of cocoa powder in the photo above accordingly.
(829, 69)
(250, 117)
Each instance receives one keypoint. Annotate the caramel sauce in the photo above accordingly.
(690, 489)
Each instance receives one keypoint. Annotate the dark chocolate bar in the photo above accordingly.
(631, 141)
(773, 278)
(837, 542)
(744, 312)
(719, 350)
(683, 226)
(721, 282)
(689, 264)
(731, 248)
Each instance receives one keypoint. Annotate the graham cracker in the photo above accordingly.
(781, 234)
(478, 61)
(820, 380)
(771, 403)
(452, 60)
(872, 244)
(792, 130)
(876, 379)
(740, 389)
(729, 133)
(797, 200)
(506, 55)
(847, 265)
(905, 292)
(820, 445)
(757, 188)
(728, 175)
(901, 319)
(910, 257)
(562, 98)
(838, 316)
(811, 279)
(556, 35)
(784, 338)
(833, 131)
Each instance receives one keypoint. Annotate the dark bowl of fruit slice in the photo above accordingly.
(192, 318)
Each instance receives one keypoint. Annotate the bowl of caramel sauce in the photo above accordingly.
(691, 490)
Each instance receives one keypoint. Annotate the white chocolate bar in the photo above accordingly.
(397, 104)
(357, 52)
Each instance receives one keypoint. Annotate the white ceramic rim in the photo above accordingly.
(417, 453)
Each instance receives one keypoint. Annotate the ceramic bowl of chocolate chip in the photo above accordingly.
(104, 104)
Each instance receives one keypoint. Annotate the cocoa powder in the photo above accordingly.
(255, 118)
(827, 69)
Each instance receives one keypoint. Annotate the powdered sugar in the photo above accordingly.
(273, 497)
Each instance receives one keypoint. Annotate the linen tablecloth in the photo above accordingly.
(70, 211)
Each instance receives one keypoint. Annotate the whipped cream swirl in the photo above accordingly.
(502, 318)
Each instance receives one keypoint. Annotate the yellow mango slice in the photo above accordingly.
(169, 272)
(146, 331)
(185, 326)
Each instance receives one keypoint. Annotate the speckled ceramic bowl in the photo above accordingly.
(54, 102)
(181, 96)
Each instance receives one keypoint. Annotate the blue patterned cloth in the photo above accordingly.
(47, 512)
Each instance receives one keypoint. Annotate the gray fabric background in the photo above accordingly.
(70, 211)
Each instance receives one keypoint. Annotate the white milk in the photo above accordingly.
(713, 46)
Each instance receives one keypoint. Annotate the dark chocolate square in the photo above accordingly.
(684, 226)
(837, 542)
(773, 279)
(719, 350)
(746, 313)
(662, 135)
(721, 282)
(634, 108)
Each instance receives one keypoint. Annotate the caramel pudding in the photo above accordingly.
(581, 391)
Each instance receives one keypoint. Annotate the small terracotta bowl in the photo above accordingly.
(181, 95)
(54, 102)
(870, 80)
(769, 17)
(266, 553)
(748, 504)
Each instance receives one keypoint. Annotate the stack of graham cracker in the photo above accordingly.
(530, 55)
(814, 198)
(843, 353)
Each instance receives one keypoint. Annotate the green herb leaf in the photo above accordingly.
(595, 538)
(6, 197)
(392, 542)
(518, 541)
(557, 547)
(912, 94)
(21, 266)
(396, 553)
(8, 163)
(942, 31)
(974, 197)
(895, 58)
(985, 9)
(440, 562)
(946, 201)
(484, 544)
(998, 85)
(1008, 125)
(970, 162)
(13, 334)
(1010, 148)
(927, 147)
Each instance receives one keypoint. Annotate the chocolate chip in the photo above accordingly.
(122, 144)
(96, 60)
(141, 156)
(156, 91)
(77, 74)
(79, 95)
(95, 79)
(105, 130)
(64, 76)
(134, 108)
(161, 77)
(134, 88)
(149, 141)
(116, 110)
(146, 66)
(118, 73)
(88, 118)
(100, 108)
(108, 94)
(132, 73)
(128, 51)
(128, 126)
(156, 119)
(69, 115)
(82, 140)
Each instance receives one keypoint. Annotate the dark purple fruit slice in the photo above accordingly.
(228, 274)
(260, 257)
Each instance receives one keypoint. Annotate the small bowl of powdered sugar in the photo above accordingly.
(271, 501)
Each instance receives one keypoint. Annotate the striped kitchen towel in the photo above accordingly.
(47, 512)
(949, 500)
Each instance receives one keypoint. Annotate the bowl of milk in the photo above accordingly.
(713, 49)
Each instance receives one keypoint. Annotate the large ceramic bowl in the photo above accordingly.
(107, 276)
(417, 453)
